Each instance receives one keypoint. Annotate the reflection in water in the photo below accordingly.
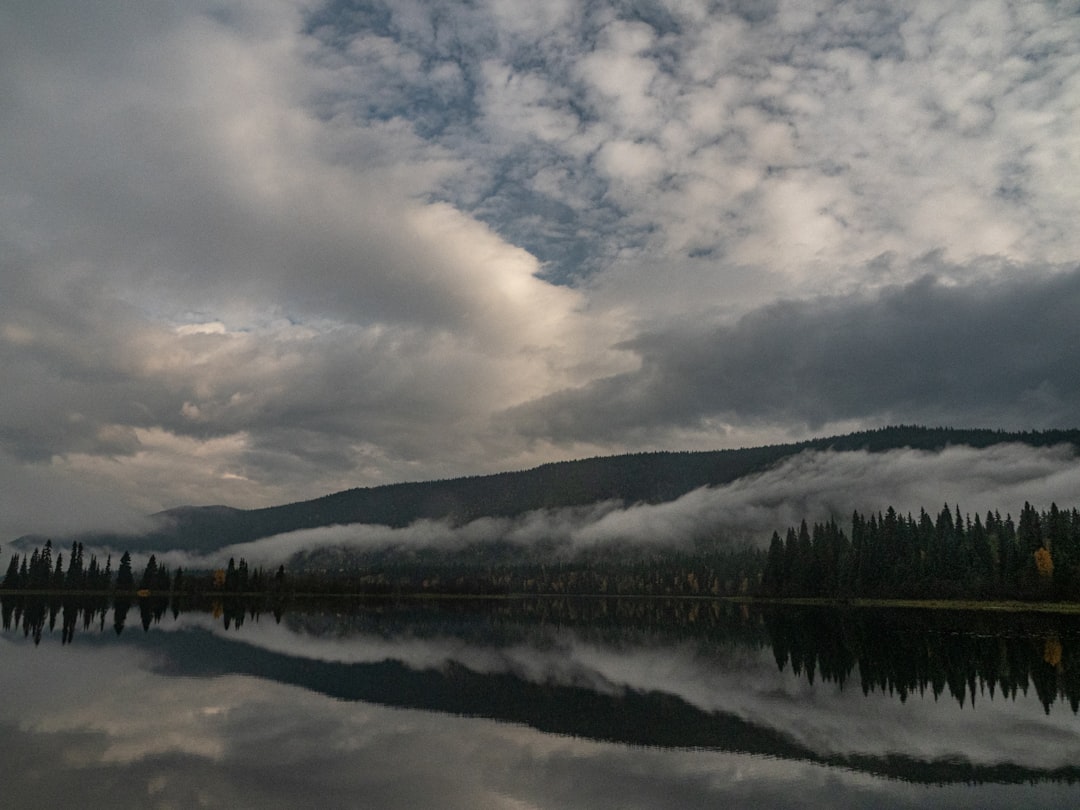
(964, 654)
(790, 699)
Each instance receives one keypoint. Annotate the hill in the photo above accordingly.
(635, 478)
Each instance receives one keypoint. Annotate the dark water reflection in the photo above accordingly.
(549, 703)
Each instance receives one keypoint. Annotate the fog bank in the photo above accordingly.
(813, 485)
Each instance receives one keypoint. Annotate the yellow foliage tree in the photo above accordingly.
(1052, 651)
(1044, 563)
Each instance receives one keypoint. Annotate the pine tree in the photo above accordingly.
(58, 573)
(93, 574)
(11, 579)
(75, 567)
(125, 579)
(149, 576)
(773, 577)
(231, 576)
(163, 580)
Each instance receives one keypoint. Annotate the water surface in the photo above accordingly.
(536, 704)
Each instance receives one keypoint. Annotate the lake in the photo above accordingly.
(535, 704)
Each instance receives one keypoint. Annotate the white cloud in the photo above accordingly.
(540, 20)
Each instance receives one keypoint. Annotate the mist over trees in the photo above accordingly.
(881, 556)
(668, 527)
(888, 555)
(639, 478)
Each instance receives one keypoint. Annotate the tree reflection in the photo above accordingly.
(963, 654)
(967, 656)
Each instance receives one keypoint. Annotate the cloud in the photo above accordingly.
(290, 247)
(203, 272)
(50, 499)
(994, 352)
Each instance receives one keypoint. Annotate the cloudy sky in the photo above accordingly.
(255, 251)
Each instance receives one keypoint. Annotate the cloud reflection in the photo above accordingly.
(734, 680)
(102, 722)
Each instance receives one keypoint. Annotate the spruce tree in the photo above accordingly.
(125, 579)
(58, 573)
(149, 577)
(11, 579)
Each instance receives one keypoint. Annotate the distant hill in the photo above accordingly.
(635, 478)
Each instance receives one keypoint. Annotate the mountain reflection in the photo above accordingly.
(659, 673)
(964, 654)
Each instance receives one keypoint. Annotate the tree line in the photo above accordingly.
(883, 555)
(40, 571)
(950, 556)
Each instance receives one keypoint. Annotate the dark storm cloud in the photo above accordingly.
(1001, 353)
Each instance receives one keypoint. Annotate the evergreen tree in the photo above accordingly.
(1029, 539)
(125, 579)
(231, 575)
(11, 579)
(46, 564)
(163, 580)
(75, 567)
(93, 574)
(804, 577)
(58, 573)
(1059, 543)
(858, 553)
(982, 558)
(773, 576)
(149, 576)
(791, 564)
(36, 578)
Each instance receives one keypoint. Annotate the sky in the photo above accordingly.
(255, 252)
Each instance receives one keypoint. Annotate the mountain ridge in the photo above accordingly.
(649, 477)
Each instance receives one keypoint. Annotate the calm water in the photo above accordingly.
(548, 704)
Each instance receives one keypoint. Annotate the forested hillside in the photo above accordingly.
(880, 556)
(637, 478)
